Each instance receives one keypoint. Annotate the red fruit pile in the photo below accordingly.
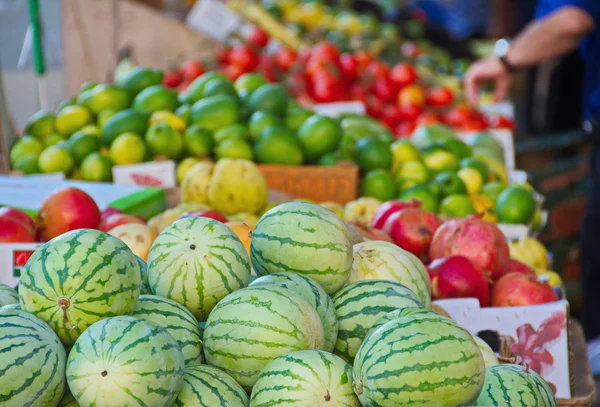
(458, 277)
(16, 226)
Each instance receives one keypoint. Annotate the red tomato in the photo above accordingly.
(458, 115)
(325, 91)
(234, 71)
(403, 74)
(502, 122)
(192, 69)
(474, 124)
(319, 62)
(404, 129)
(244, 57)
(258, 38)
(267, 68)
(285, 58)
(429, 118)
(385, 89)
(327, 49)
(364, 58)
(391, 116)
(349, 66)
(439, 97)
(358, 92)
(411, 95)
(377, 69)
(223, 55)
(411, 112)
(374, 106)
(172, 79)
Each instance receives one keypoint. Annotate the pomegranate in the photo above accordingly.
(518, 289)
(19, 216)
(413, 229)
(218, 216)
(515, 266)
(370, 233)
(458, 277)
(13, 231)
(117, 219)
(481, 242)
(106, 212)
(388, 208)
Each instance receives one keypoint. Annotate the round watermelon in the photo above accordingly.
(32, 366)
(543, 387)
(207, 386)
(359, 305)
(304, 238)
(392, 315)
(305, 378)
(253, 326)
(489, 357)
(12, 306)
(314, 294)
(379, 260)
(124, 361)
(176, 320)
(68, 401)
(421, 360)
(197, 261)
(145, 285)
(79, 278)
(8, 295)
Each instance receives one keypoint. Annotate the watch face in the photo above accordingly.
(501, 47)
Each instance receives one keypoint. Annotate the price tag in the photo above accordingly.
(337, 108)
(155, 174)
(13, 257)
(514, 232)
(213, 18)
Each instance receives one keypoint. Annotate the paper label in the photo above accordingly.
(337, 108)
(213, 18)
(514, 232)
(13, 257)
(506, 109)
(155, 174)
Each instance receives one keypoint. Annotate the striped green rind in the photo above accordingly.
(124, 361)
(32, 361)
(68, 401)
(11, 306)
(145, 285)
(509, 385)
(316, 296)
(197, 261)
(176, 320)
(379, 260)
(304, 379)
(8, 295)
(304, 238)
(358, 306)
(395, 314)
(421, 360)
(543, 388)
(253, 326)
(93, 273)
(489, 357)
(207, 386)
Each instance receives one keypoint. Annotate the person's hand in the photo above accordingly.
(487, 70)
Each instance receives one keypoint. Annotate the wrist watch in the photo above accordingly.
(501, 51)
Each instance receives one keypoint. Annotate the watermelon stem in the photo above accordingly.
(327, 396)
(358, 387)
(64, 304)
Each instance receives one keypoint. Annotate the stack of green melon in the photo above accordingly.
(304, 333)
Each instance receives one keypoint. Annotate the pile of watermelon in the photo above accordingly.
(319, 324)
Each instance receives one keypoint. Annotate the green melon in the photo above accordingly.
(79, 278)
(359, 305)
(253, 326)
(68, 401)
(544, 389)
(305, 378)
(12, 306)
(197, 261)
(176, 320)
(32, 366)
(392, 315)
(489, 357)
(303, 238)
(145, 285)
(512, 385)
(314, 294)
(421, 360)
(207, 386)
(124, 361)
(379, 260)
(8, 295)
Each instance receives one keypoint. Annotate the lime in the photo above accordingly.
(194, 91)
(331, 159)
(457, 206)
(219, 86)
(185, 113)
(455, 146)
(403, 185)
(170, 118)
(198, 141)
(103, 116)
(439, 160)
(450, 184)
(429, 200)
(538, 219)
(53, 139)
(259, 121)
(40, 124)
(425, 136)
(87, 85)
(479, 152)
(250, 82)
(162, 139)
(379, 184)
(56, 159)
(238, 131)
(478, 165)
(515, 205)
(128, 148)
(492, 190)
(155, 98)
(413, 170)
(96, 167)
(67, 102)
(271, 97)
(215, 112)
(295, 117)
(402, 151)
(484, 140)
(472, 180)
(72, 118)
(80, 145)
(27, 163)
(24, 146)
(244, 97)
(319, 135)
(104, 97)
(184, 166)
(91, 129)
(278, 145)
(139, 78)
(234, 148)
(126, 121)
(371, 153)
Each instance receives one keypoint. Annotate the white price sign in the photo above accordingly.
(514, 232)
(213, 18)
(154, 174)
(337, 108)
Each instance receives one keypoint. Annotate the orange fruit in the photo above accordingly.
(243, 232)
(411, 95)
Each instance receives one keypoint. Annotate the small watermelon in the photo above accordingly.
(390, 316)
(253, 326)
(379, 260)
(68, 401)
(489, 357)
(124, 361)
(32, 366)
(543, 387)
(207, 386)
(176, 320)
(312, 292)
(305, 378)
(145, 285)
(79, 278)
(197, 261)
(303, 238)
(421, 360)
(359, 305)
(8, 295)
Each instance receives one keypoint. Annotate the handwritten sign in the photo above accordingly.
(338, 108)
(214, 19)
(154, 174)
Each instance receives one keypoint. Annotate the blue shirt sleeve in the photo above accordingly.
(592, 7)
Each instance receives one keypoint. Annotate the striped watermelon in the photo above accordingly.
(305, 378)
(303, 238)
(312, 292)
(145, 285)
(79, 278)
(512, 385)
(421, 360)
(176, 320)
(359, 305)
(197, 261)
(12, 306)
(379, 260)
(207, 386)
(32, 366)
(8, 295)
(68, 401)
(392, 315)
(544, 389)
(124, 361)
(253, 326)
(489, 357)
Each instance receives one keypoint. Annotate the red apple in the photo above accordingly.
(388, 208)
(458, 277)
(13, 231)
(106, 212)
(218, 216)
(412, 229)
(68, 209)
(19, 216)
(517, 289)
(515, 266)
(112, 221)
